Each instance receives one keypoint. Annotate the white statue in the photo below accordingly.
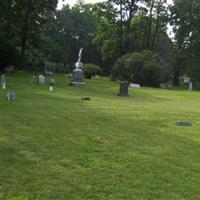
(79, 64)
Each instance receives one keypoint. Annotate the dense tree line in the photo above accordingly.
(35, 35)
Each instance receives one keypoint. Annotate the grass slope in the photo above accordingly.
(55, 146)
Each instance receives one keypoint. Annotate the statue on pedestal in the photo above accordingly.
(77, 74)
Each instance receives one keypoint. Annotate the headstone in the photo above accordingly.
(9, 69)
(135, 85)
(48, 73)
(77, 78)
(32, 80)
(52, 85)
(3, 82)
(190, 85)
(185, 123)
(123, 91)
(85, 98)
(41, 80)
(11, 96)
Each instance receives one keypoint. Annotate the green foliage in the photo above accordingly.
(91, 70)
(34, 60)
(146, 68)
(185, 18)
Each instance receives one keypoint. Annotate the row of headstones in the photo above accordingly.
(11, 96)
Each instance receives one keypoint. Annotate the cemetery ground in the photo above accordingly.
(53, 145)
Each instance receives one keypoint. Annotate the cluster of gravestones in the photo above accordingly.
(41, 80)
(10, 96)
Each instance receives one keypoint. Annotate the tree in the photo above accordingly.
(185, 17)
(69, 30)
(146, 68)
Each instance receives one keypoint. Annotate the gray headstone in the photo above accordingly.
(48, 73)
(123, 91)
(32, 80)
(41, 80)
(52, 85)
(183, 123)
(11, 96)
(77, 77)
(190, 85)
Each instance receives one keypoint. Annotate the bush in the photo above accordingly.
(91, 70)
(146, 68)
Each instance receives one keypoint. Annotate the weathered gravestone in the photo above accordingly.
(190, 85)
(11, 96)
(32, 80)
(183, 123)
(123, 91)
(52, 85)
(3, 82)
(48, 73)
(41, 80)
(135, 85)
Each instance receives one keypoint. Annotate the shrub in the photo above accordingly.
(91, 70)
(146, 68)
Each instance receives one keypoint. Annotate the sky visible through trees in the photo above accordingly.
(72, 2)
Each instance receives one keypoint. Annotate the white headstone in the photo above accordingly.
(41, 80)
(190, 85)
(51, 88)
(4, 86)
(135, 85)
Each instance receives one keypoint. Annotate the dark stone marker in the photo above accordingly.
(123, 91)
(11, 96)
(183, 124)
(85, 98)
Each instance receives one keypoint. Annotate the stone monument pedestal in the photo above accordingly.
(77, 77)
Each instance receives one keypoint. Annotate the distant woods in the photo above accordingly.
(35, 35)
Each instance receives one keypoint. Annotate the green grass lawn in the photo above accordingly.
(54, 146)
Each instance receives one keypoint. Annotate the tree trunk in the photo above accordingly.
(121, 30)
(149, 34)
(25, 33)
(176, 76)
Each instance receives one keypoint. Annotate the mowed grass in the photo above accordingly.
(54, 146)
